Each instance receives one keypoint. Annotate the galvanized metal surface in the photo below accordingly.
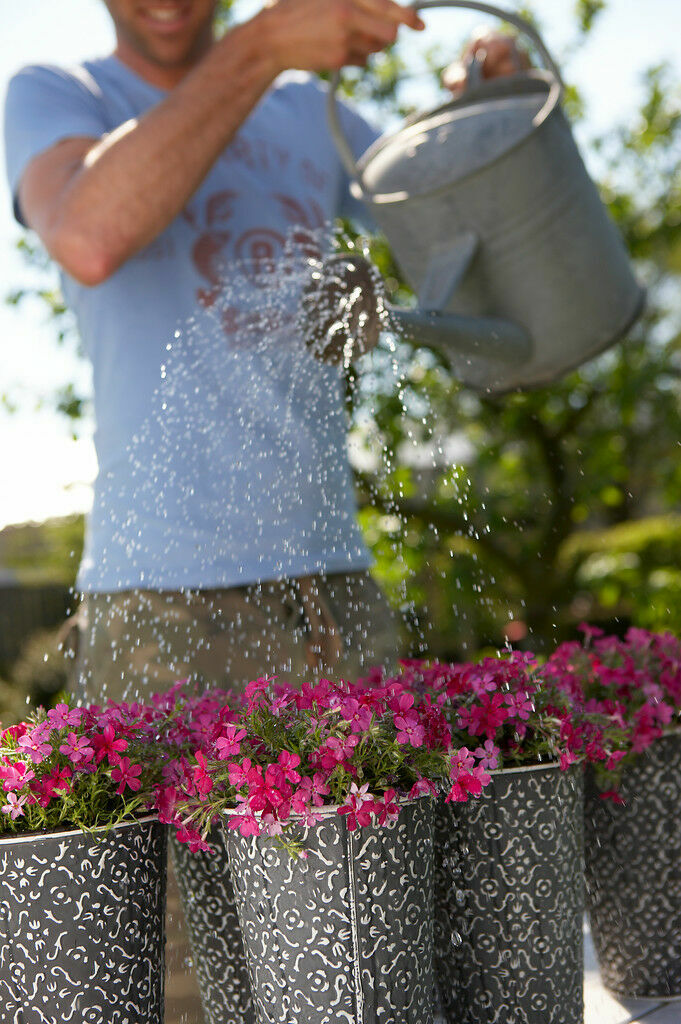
(509, 901)
(491, 213)
(633, 876)
(81, 927)
(205, 886)
(600, 1006)
(344, 937)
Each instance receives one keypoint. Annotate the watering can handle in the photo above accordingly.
(342, 144)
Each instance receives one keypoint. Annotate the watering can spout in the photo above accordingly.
(479, 349)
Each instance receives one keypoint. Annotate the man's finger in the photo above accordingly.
(361, 48)
(377, 32)
(390, 11)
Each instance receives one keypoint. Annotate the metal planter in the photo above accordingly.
(633, 876)
(82, 926)
(509, 901)
(205, 885)
(344, 937)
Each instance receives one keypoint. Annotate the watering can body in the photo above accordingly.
(519, 272)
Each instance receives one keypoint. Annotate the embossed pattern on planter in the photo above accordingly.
(344, 937)
(509, 902)
(82, 928)
(209, 907)
(633, 875)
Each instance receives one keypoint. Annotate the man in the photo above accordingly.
(151, 176)
(125, 170)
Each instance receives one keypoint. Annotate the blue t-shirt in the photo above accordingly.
(220, 441)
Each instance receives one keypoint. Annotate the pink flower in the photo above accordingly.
(373, 678)
(270, 825)
(386, 809)
(310, 791)
(106, 745)
(273, 790)
(14, 732)
(14, 806)
(310, 695)
(401, 703)
(613, 795)
(127, 774)
(359, 807)
(465, 778)
(566, 759)
(202, 779)
(166, 798)
(229, 744)
(289, 762)
(519, 704)
(315, 723)
(16, 775)
(247, 824)
(254, 691)
(488, 755)
(57, 783)
(484, 717)
(613, 758)
(77, 748)
(31, 746)
(421, 787)
(336, 751)
(243, 774)
(589, 631)
(482, 682)
(467, 783)
(279, 704)
(409, 729)
(62, 716)
(194, 839)
(461, 760)
(359, 717)
(167, 700)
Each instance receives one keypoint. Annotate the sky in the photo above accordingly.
(44, 471)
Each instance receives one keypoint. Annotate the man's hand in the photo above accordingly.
(322, 35)
(86, 197)
(499, 54)
(341, 309)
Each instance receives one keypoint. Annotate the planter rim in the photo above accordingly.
(554, 765)
(328, 810)
(37, 837)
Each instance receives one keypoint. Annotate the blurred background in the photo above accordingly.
(492, 521)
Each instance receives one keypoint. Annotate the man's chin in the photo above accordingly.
(165, 54)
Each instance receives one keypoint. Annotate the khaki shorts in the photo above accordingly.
(134, 643)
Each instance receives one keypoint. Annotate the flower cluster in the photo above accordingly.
(91, 767)
(502, 711)
(291, 754)
(635, 683)
(280, 754)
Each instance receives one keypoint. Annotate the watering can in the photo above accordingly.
(519, 272)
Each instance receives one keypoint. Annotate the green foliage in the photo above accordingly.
(630, 572)
(587, 11)
(46, 552)
(41, 672)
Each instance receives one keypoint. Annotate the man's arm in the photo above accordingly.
(94, 203)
